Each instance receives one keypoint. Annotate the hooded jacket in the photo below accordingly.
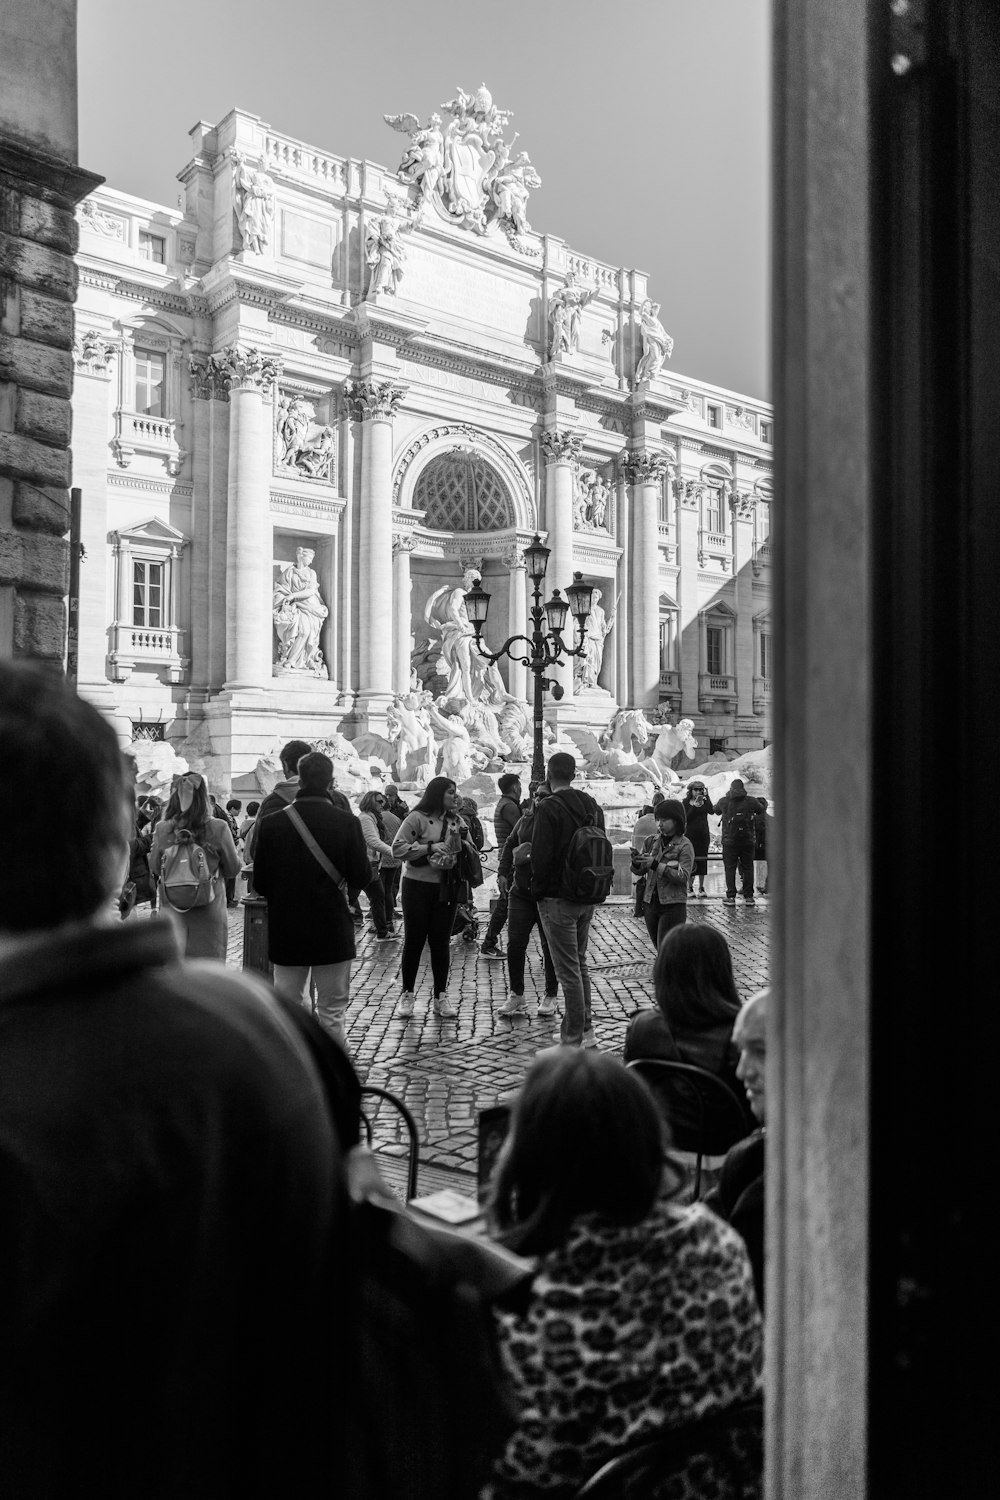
(282, 795)
(556, 821)
(737, 801)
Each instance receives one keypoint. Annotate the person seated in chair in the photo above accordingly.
(697, 1006)
(739, 1195)
(642, 1314)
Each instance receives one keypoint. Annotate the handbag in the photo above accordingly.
(470, 865)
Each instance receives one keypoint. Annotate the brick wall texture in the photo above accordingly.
(38, 238)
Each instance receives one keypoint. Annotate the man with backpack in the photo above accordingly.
(572, 870)
(738, 812)
(506, 816)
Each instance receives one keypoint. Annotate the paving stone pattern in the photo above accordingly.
(447, 1071)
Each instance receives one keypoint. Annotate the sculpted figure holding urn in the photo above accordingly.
(299, 613)
(565, 309)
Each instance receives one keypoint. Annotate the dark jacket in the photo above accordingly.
(506, 816)
(169, 1163)
(697, 828)
(738, 1197)
(649, 1035)
(309, 921)
(518, 871)
(283, 794)
(760, 835)
(729, 807)
(556, 821)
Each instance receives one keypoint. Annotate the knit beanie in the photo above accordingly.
(671, 809)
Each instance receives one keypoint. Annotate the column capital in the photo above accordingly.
(742, 505)
(373, 400)
(402, 541)
(562, 445)
(208, 379)
(513, 560)
(643, 467)
(688, 492)
(248, 368)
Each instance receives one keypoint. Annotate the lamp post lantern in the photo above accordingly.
(545, 646)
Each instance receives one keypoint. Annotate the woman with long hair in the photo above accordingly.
(696, 1008)
(698, 809)
(613, 1346)
(429, 843)
(370, 817)
(206, 928)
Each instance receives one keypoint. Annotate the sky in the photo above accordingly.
(647, 121)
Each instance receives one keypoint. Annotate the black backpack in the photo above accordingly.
(739, 825)
(589, 869)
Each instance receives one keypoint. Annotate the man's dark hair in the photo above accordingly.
(233, 805)
(253, 808)
(562, 767)
(315, 772)
(508, 782)
(51, 738)
(292, 754)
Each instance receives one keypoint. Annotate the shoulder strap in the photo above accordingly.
(321, 859)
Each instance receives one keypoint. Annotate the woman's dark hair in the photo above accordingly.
(693, 978)
(197, 816)
(315, 772)
(51, 739)
(370, 804)
(585, 1137)
(432, 802)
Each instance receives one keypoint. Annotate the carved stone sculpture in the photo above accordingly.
(657, 345)
(304, 446)
(385, 251)
(590, 504)
(459, 758)
(511, 188)
(469, 676)
(565, 309)
(299, 613)
(423, 159)
(254, 204)
(588, 666)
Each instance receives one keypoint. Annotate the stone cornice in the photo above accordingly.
(119, 481)
(40, 173)
(373, 400)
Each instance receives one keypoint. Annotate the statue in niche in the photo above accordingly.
(306, 447)
(469, 675)
(588, 666)
(255, 204)
(385, 251)
(590, 502)
(299, 613)
(423, 159)
(657, 345)
(565, 309)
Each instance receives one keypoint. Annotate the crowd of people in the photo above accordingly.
(181, 1163)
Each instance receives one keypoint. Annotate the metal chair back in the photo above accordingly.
(372, 1091)
(703, 1089)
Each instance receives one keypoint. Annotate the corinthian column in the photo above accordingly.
(644, 473)
(373, 403)
(562, 454)
(248, 522)
(402, 546)
(517, 617)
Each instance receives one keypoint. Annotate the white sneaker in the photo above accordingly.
(547, 1006)
(589, 1039)
(515, 1006)
(444, 1007)
(406, 1000)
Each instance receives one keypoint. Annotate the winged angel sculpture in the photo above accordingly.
(467, 166)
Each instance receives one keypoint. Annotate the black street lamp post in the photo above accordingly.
(546, 647)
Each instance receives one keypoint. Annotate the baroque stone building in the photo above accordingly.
(391, 371)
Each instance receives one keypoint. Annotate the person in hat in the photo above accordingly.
(698, 809)
(667, 861)
(738, 812)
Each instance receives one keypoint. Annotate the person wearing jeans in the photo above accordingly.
(738, 812)
(668, 858)
(429, 842)
(566, 923)
(514, 881)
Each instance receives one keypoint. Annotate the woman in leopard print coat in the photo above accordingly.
(643, 1315)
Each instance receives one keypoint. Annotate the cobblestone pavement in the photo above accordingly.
(447, 1071)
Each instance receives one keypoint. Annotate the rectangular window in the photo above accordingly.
(714, 511)
(763, 520)
(765, 654)
(714, 645)
(147, 594)
(713, 416)
(141, 731)
(767, 432)
(714, 746)
(152, 247)
(150, 378)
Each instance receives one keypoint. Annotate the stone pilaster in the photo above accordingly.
(249, 545)
(402, 546)
(93, 366)
(742, 507)
(373, 403)
(621, 632)
(517, 617)
(38, 238)
(209, 460)
(562, 456)
(690, 647)
(644, 473)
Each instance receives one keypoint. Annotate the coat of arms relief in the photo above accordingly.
(467, 168)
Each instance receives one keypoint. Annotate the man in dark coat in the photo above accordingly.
(282, 794)
(310, 927)
(172, 1185)
(738, 812)
(739, 1195)
(506, 816)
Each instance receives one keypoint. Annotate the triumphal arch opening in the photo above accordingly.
(322, 397)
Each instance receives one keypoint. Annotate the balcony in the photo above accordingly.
(716, 693)
(761, 695)
(715, 548)
(667, 541)
(670, 688)
(147, 645)
(137, 433)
